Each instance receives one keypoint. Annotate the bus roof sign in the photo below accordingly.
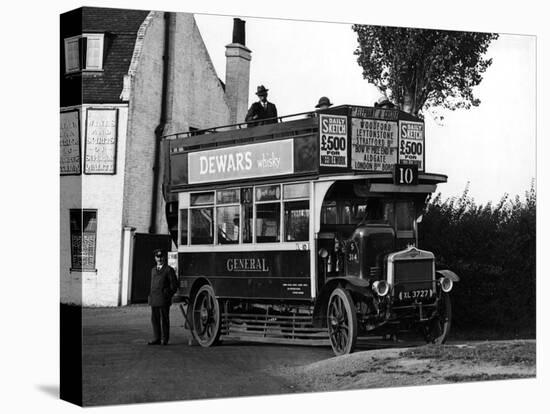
(242, 162)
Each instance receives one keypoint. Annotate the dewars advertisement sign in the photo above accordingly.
(245, 161)
(333, 141)
(373, 144)
(411, 143)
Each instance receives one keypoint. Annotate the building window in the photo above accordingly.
(83, 239)
(84, 53)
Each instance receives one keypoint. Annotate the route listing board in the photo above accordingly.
(373, 144)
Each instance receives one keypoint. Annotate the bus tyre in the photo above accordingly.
(342, 322)
(437, 330)
(206, 317)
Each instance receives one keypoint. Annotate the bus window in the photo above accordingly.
(228, 225)
(247, 223)
(354, 212)
(404, 218)
(201, 199)
(329, 213)
(300, 190)
(183, 227)
(228, 216)
(297, 220)
(268, 218)
(202, 218)
(248, 211)
(268, 213)
(202, 225)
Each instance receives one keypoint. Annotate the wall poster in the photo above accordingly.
(69, 146)
(101, 141)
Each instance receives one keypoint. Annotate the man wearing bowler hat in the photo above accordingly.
(163, 286)
(324, 103)
(260, 112)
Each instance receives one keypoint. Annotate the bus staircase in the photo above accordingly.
(281, 329)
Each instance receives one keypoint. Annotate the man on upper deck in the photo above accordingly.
(260, 112)
(324, 103)
(384, 103)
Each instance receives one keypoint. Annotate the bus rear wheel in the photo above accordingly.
(206, 317)
(342, 322)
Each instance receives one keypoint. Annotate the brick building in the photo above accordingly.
(128, 76)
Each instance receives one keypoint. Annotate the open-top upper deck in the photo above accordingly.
(341, 141)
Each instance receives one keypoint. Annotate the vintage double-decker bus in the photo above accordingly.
(306, 230)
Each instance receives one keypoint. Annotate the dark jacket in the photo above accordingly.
(163, 286)
(257, 109)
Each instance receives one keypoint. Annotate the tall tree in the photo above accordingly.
(421, 68)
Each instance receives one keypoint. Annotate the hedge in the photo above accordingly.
(493, 250)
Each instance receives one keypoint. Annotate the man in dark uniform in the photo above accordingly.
(260, 112)
(163, 286)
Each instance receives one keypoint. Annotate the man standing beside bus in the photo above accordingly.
(163, 286)
(261, 112)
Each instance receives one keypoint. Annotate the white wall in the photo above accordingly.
(103, 193)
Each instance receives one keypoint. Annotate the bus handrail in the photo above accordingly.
(240, 125)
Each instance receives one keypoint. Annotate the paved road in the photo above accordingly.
(118, 366)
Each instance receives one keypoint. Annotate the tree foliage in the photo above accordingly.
(493, 250)
(421, 68)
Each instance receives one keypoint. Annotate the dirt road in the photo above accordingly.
(120, 368)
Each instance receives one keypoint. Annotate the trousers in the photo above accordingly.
(160, 318)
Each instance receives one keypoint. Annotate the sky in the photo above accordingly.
(492, 147)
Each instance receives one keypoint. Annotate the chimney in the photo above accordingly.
(237, 73)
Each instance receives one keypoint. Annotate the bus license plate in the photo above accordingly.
(415, 294)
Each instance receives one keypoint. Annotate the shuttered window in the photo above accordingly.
(72, 56)
(84, 53)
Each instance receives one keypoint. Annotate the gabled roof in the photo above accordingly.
(120, 27)
(111, 20)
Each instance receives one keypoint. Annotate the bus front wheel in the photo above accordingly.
(342, 322)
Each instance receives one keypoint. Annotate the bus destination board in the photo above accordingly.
(373, 144)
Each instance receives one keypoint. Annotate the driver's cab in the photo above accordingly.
(358, 228)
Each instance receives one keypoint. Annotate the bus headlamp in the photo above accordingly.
(381, 287)
(446, 284)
